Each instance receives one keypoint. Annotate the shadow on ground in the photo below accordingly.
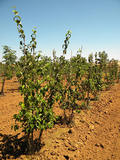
(14, 147)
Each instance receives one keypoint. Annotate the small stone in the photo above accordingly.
(92, 122)
(72, 148)
(91, 126)
(56, 141)
(82, 121)
(105, 112)
(22, 157)
(97, 122)
(81, 143)
(66, 157)
(101, 145)
(53, 153)
(97, 145)
(110, 101)
(70, 131)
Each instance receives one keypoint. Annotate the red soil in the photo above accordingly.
(95, 134)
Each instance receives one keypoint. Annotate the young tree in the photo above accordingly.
(9, 60)
(36, 87)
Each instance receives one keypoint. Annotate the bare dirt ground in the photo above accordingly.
(94, 135)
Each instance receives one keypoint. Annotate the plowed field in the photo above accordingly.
(94, 135)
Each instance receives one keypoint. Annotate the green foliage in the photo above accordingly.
(9, 60)
(44, 81)
(8, 65)
(9, 56)
(66, 41)
(36, 109)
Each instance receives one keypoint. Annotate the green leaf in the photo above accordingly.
(16, 127)
(23, 106)
(15, 12)
(32, 126)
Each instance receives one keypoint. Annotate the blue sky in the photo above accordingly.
(95, 25)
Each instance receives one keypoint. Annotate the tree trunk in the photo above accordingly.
(41, 131)
(3, 84)
(30, 143)
(88, 99)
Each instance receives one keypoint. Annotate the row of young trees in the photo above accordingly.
(71, 83)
